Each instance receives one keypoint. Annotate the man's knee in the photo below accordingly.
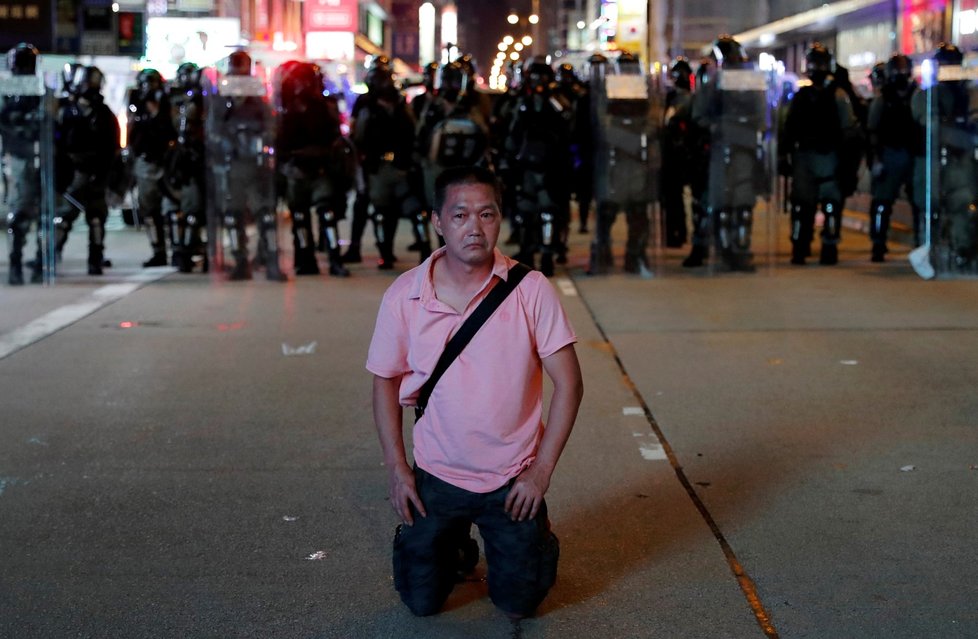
(422, 577)
(519, 592)
(522, 558)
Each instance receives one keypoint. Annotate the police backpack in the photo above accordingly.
(456, 142)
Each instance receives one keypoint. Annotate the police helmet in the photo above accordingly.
(87, 83)
(628, 64)
(948, 54)
(538, 75)
(22, 59)
(898, 70)
(452, 81)
(304, 79)
(704, 72)
(380, 61)
(468, 65)
(188, 76)
(379, 76)
(681, 73)
(239, 63)
(429, 74)
(819, 63)
(565, 75)
(68, 75)
(877, 75)
(729, 53)
(149, 82)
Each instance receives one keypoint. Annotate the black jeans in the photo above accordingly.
(521, 555)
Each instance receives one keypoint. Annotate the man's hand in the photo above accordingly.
(525, 497)
(403, 493)
(400, 479)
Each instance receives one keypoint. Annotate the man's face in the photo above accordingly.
(469, 222)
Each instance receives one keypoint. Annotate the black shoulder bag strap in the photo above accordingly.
(467, 331)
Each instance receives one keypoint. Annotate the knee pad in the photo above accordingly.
(547, 224)
(833, 213)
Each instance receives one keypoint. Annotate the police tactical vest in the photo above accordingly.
(897, 128)
(814, 120)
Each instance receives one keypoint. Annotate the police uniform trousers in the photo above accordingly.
(23, 202)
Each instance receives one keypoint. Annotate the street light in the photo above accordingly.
(533, 19)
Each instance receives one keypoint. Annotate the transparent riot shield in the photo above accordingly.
(626, 118)
(734, 217)
(241, 187)
(946, 180)
(27, 132)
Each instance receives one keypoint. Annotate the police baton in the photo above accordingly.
(75, 203)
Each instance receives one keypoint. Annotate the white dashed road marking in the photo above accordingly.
(648, 444)
(69, 314)
(566, 286)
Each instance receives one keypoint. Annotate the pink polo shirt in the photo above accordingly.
(483, 421)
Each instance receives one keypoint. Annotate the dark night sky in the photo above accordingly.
(482, 24)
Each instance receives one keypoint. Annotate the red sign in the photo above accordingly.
(331, 15)
(923, 25)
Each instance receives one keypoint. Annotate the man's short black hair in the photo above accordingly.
(457, 175)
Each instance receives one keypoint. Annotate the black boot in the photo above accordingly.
(336, 263)
(241, 270)
(15, 275)
(879, 253)
(601, 259)
(696, 256)
(352, 255)
(272, 271)
(158, 259)
(799, 251)
(305, 261)
(547, 264)
(829, 255)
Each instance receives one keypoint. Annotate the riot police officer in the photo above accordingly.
(896, 144)
(429, 78)
(239, 128)
(538, 147)
(819, 122)
(953, 165)
(500, 121)
(184, 167)
(316, 162)
(88, 135)
(737, 124)
(576, 94)
(20, 128)
(450, 129)
(678, 149)
(425, 109)
(383, 133)
(151, 133)
(625, 130)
